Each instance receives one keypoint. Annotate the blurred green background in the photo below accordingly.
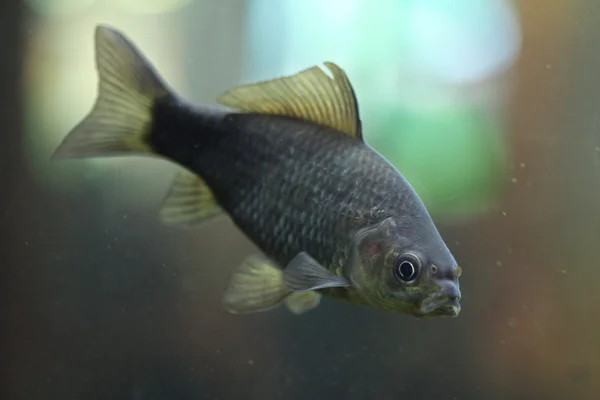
(489, 108)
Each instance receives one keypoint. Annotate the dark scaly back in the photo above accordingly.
(290, 185)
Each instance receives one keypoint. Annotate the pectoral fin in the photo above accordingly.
(257, 285)
(304, 274)
(301, 302)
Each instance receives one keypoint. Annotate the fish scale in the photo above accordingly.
(326, 176)
(287, 163)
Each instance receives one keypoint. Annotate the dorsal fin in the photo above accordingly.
(190, 202)
(310, 95)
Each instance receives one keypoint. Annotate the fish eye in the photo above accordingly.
(406, 267)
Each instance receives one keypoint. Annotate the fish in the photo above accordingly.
(285, 161)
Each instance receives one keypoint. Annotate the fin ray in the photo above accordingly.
(301, 302)
(122, 113)
(310, 95)
(256, 285)
(304, 274)
(189, 203)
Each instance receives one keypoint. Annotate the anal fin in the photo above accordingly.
(190, 202)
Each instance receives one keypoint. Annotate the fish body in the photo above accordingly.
(288, 165)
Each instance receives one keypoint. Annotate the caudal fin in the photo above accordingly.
(121, 118)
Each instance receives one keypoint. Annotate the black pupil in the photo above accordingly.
(406, 270)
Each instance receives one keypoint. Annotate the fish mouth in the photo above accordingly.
(450, 310)
(440, 306)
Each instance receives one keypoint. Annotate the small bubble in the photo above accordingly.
(499, 263)
(250, 362)
(562, 271)
(514, 180)
(522, 165)
(512, 322)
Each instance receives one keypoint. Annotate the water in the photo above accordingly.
(489, 108)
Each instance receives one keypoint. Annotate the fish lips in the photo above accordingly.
(440, 306)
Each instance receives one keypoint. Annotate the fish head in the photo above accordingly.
(405, 273)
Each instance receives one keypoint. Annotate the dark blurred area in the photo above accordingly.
(100, 300)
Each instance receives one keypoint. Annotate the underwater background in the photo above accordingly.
(490, 108)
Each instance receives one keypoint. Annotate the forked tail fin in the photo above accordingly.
(121, 117)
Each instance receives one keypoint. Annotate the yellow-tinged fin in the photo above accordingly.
(310, 95)
(190, 202)
(301, 302)
(256, 285)
(122, 114)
